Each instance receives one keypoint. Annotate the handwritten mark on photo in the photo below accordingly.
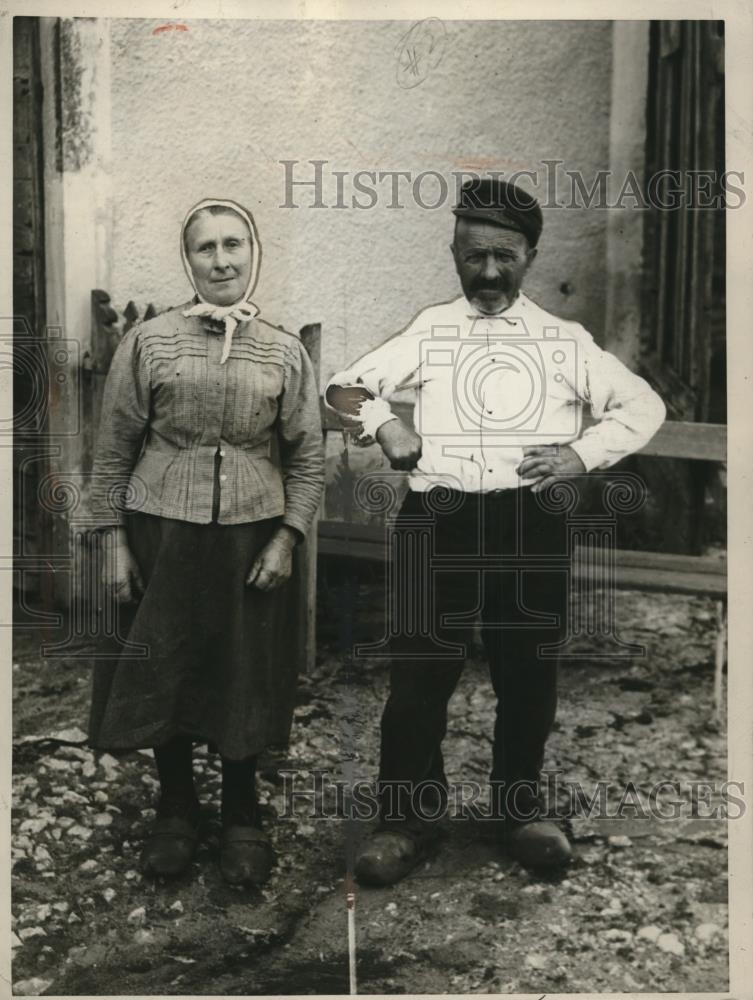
(420, 51)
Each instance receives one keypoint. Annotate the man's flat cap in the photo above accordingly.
(503, 204)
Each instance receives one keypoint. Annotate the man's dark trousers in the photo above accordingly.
(511, 603)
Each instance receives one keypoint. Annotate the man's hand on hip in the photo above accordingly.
(400, 444)
(548, 463)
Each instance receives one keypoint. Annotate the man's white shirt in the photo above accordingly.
(485, 387)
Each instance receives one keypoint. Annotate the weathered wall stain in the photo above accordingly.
(74, 99)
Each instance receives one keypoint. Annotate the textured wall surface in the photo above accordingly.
(210, 111)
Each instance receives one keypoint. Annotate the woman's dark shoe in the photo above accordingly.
(246, 855)
(538, 844)
(171, 845)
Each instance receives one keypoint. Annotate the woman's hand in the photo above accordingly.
(120, 572)
(274, 564)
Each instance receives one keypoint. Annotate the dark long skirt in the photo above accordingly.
(221, 660)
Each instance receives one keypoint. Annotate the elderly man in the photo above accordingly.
(499, 387)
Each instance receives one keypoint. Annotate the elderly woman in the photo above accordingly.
(208, 471)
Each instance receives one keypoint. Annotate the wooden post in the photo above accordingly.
(105, 337)
(311, 337)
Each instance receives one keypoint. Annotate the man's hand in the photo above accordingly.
(548, 463)
(120, 572)
(400, 444)
(274, 564)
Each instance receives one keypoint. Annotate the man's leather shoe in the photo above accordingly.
(246, 855)
(538, 844)
(171, 845)
(388, 855)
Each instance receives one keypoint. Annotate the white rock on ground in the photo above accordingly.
(26, 933)
(706, 932)
(614, 906)
(76, 798)
(74, 753)
(671, 944)
(110, 766)
(55, 765)
(649, 933)
(81, 832)
(34, 826)
(31, 987)
(73, 734)
(619, 841)
(536, 961)
(618, 935)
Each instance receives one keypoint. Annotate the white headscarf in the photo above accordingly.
(242, 310)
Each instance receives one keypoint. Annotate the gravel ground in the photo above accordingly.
(643, 907)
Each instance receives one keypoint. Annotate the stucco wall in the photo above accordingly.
(213, 109)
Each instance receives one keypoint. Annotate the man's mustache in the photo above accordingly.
(490, 286)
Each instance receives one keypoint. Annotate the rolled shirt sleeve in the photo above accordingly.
(122, 426)
(627, 410)
(383, 372)
(301, 441)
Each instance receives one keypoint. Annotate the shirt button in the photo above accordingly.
(223, 478)
(222, 452)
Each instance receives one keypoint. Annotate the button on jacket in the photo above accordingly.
(485, 387)
(171, 411)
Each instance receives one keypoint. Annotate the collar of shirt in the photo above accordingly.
(510, 316)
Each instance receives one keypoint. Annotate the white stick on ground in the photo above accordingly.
(350, 899)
